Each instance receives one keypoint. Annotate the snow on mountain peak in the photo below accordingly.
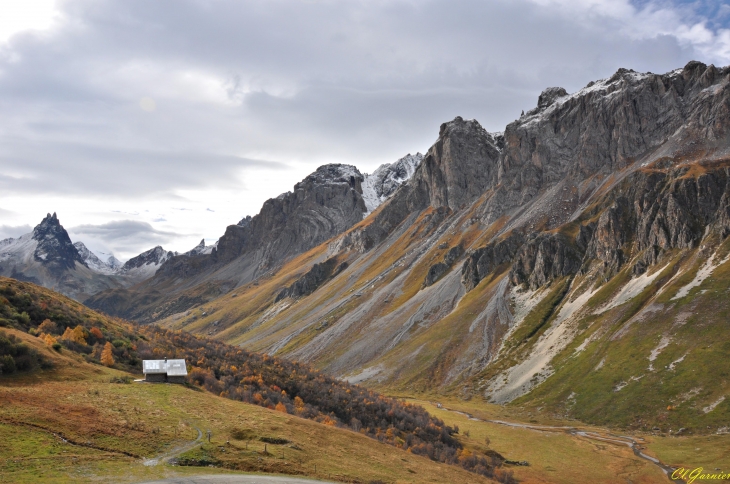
(201, 248)
(106, 264)
(382, 183)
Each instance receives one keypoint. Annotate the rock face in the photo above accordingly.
(54, 249)
(322, 205)
(440, 268)
(543, 259)
(484, 260)
(383, 182)
(456, 170)
(309, 282)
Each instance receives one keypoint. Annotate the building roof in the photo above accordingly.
(170, 367)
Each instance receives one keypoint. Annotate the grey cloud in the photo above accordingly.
(14, 231)
(125, 236)
(237, 83)
(69, 168)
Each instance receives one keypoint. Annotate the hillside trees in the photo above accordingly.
(16, 356)
(107, 355)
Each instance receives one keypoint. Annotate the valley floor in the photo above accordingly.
(555, 456)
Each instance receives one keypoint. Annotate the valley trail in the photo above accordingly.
(634, 444)
(166, 456)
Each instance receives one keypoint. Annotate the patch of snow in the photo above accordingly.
(534, 369)
(109, 266)
(620, 386)
(632, 289)
(674, 364)
(382, 183)
(663, 343)
(18, 250)
(623, 384)
(201, 248)
(713, 405)
(703, 273)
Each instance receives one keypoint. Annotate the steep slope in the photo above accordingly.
(483, 274)
(323, 205)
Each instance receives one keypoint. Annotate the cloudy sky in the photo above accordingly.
(161, 122)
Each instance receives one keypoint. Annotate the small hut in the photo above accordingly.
(164, 371)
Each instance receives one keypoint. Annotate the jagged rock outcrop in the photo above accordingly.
(455, 171)
(54, 248)
(610, 235)
(324, 204)
(484, 260)
(385, 180)
(543, 259)
(313, 279)
(440, 268)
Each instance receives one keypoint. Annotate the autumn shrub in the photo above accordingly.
(16, 356)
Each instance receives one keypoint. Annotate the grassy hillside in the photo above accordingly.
(70, 424)
(69, 356)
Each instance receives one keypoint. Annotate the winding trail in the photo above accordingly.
(636, 444)
(166, 456)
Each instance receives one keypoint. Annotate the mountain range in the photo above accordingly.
(46, 256)
(576, 262)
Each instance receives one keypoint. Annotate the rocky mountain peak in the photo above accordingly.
(332, 173)
(201, 248)
(54, 249)
(549, 95)
(153, 257)
(460, 166)
(106, 264)
(383, 182)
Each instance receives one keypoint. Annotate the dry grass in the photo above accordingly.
(108, 428)
(554, 457)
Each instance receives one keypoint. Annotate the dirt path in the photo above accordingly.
(175, 452)
(636, 444)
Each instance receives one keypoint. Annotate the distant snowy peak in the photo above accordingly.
(106, 264)
(153, 257)
(54, 247)
(201, 248)
(20, 250)
(382, 183)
